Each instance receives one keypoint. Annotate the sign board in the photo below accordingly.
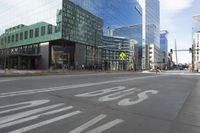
(122, 56)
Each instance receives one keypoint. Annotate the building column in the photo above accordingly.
(29, 62)
(18, 62)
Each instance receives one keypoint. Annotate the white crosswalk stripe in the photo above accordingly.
(33, 114)
(33, 117)
(43, 123)
(44, 114)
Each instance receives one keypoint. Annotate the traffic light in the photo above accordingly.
(190, 50)
(171, 51)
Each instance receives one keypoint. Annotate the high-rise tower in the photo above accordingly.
(115, 13)
(151, 27)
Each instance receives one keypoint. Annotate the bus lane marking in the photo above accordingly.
(118, 93)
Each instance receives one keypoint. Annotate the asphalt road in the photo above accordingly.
(101, 103)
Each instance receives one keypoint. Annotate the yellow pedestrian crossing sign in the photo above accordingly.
(122, 55)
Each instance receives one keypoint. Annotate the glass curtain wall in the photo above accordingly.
(115, 13)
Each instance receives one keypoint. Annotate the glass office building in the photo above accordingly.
(164, 45)
(81, 26)
(115, 13)
(151, 27)
(118, 15)
(132, 32)
(112, 48)
(71, 43)
(151, 22)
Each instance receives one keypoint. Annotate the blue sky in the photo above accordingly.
(176, 17)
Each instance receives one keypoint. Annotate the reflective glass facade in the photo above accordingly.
(164, 45)
(112, 48)
(115, 13)
(151, 28)
(132, 32)
(81, 26)
(152, 22)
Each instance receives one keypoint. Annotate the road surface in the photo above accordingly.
(101, 103)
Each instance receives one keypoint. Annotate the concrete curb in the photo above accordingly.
(46, 73)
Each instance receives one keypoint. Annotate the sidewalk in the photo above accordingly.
(188, 120)
(16, 73)
(2, 72)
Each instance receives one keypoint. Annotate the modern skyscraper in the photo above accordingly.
(151, 27)
(115, 13)
(118, 15)
(164, 45)
(151, 22)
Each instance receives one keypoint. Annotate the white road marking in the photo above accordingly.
(117, 95)
(43, 123)
(33, 117)
(106, 126)
(7, 80)
(88, 124)
(99, 129)
(27, 92)
(142, 96)
(119, 92)
(27, 113)
(30, 104)
(101, 92)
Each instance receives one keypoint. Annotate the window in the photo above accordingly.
(13, 37)
(1, 41)
(16, 37)
(36, 32)
(42, 30)
(8, 39)
(21, 36)
(31, 34)
(49, 29)
(57, 29)
(5, 40)
(26, 35)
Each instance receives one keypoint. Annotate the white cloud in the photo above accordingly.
(175, 5)
(169, 10)
(27, 12)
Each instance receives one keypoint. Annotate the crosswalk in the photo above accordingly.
(45, 115)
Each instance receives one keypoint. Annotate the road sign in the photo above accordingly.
(122, 55)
